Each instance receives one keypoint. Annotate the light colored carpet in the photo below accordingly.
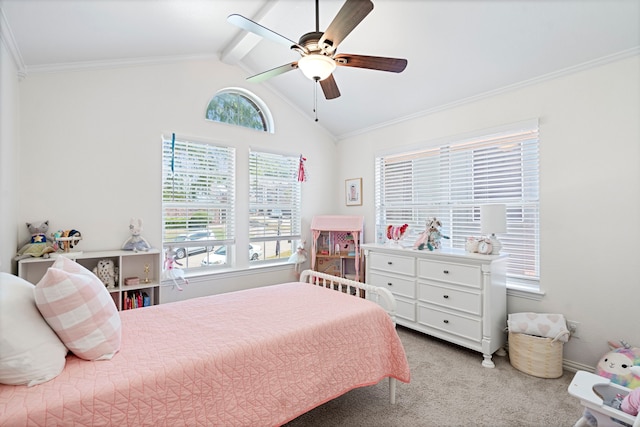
(449, 387)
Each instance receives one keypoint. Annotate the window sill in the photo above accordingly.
(235, 272)
(526, 292)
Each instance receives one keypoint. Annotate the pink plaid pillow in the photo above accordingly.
(78, 307)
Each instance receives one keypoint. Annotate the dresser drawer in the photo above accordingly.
(446, 272)
(467, 327)
(397, 285)
(392, 263)
(457, 299)
(406, 309)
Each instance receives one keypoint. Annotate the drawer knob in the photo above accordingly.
(446, 321)
(389, 283)
(446, 271)
(389, 262)
(445, 296)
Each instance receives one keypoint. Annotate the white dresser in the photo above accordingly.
(447, 293)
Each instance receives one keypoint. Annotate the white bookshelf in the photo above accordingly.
(129, 264)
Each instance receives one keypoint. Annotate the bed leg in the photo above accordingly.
(392, 390)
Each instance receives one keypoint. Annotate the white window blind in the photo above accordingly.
(198, 197)
(451, 181)
(274, 203)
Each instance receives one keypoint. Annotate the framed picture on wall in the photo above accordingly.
(353, 191)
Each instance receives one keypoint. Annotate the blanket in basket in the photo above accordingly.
(540, 324)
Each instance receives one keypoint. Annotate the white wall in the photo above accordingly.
(91, 150)
(90, 159)
(589, 192)
(8, 156)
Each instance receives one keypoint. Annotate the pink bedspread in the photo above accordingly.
(259, 357)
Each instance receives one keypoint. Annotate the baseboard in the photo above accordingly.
(567, 365)
(570, 365)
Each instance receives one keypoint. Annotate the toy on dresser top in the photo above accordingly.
(396, 233)
(430, 238)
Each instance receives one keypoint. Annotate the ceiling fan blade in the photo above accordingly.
(351, 14)
(395, 65)
(273, 72)
(253, 27)
(329, 87)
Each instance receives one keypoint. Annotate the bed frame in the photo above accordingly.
(381, 296)
(288, 352)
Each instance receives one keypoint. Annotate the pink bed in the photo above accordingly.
(257, 357)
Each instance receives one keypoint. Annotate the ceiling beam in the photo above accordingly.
(245, 41)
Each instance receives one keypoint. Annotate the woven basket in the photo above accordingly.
(537, 356)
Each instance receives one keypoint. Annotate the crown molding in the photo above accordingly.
(118, 63)
(7, 39)
(545, 77)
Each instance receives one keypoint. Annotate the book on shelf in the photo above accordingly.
(135, 299)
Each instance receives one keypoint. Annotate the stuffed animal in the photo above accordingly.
(65, 240)
(395, 233)
(170, 271)
(431, 237)
(616, 365)
(136, 242)
(631, 402)
(299, 257)
(38, 245)
(106, 271)
(620, 365)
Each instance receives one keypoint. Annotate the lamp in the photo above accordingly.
(493, 219)
(316, 66)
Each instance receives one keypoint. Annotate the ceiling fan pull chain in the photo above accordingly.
(315, 98)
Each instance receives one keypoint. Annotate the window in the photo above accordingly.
(452, 180)
(239, 107)
(274, 204)
(198, 199)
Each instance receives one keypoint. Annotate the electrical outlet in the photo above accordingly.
(573, 327)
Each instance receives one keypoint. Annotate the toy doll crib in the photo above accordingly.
(596, 394)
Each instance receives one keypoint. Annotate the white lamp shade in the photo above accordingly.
(316, 66)
(493, 219)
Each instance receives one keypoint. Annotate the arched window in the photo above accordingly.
(239, 107)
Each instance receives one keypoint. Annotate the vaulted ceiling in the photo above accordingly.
(456, 50)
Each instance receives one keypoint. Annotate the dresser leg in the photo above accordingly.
(501, 352)
(487, 362)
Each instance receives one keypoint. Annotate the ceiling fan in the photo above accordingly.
(318, 49)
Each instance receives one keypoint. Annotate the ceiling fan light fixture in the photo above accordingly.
(316, 66)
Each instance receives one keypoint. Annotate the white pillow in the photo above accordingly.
(78, 307)
(30, 352)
